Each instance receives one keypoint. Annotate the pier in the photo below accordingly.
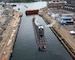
(9, 35)
(62, 32)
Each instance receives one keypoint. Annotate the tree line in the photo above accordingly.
(21, 0)
(25, 0)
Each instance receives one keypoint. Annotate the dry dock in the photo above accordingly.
(9, 36)
(62, 33)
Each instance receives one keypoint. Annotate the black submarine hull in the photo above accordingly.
(39, 37)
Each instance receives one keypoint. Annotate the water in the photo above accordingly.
(25, 46)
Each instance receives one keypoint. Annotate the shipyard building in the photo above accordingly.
(71, 2)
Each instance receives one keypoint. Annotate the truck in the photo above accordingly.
(66, 20)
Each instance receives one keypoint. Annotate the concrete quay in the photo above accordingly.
(62, 33)
(9, 36)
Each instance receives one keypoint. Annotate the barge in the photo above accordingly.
(31, 12)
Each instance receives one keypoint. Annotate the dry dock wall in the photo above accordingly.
(62, 33)
(17, 24)
(13, 26)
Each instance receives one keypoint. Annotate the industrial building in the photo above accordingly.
(70, 6)
(56, 3)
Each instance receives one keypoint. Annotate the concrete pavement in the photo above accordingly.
(9, 36)
(66, 37)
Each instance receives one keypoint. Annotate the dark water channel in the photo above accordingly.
(25, 47)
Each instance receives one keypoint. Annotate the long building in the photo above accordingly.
(56, 3)
(70, 6)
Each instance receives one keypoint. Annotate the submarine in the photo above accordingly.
(39, 34)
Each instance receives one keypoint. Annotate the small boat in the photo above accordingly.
(13, 5)
(25, 6)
